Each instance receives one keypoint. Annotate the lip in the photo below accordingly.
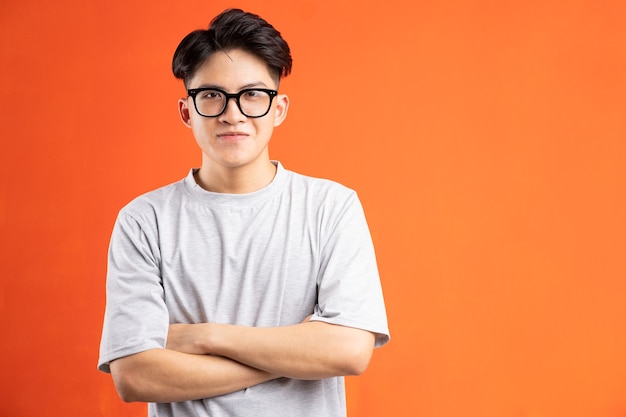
(232, 136)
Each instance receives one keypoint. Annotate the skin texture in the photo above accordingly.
(311, 350)
(208, 359)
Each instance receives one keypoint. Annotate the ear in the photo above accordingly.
(282, 105)
(183, 111)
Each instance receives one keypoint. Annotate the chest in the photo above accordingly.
(255, 267)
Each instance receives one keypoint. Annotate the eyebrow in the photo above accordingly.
(256, 84)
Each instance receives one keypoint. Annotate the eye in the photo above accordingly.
(254, 95)
(210, 95)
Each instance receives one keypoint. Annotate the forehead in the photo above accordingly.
(233, 70)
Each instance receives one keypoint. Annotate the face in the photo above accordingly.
(232, 140)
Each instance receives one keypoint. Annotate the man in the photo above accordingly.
(244, 289)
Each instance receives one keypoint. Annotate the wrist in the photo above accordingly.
(217, 336)
(205, 342)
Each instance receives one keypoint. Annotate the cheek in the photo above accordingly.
(201, 126)
(264, 130)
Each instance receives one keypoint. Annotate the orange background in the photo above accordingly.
(485, 139)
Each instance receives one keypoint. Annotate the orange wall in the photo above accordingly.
(485, 138)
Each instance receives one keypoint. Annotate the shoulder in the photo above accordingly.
(150, 204)
(324, 202)
(320, 188)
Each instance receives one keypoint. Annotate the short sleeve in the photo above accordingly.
(136, 318)
(349, 288)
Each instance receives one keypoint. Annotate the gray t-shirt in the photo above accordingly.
(299, 246)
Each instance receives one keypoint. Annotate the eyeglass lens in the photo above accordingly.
(252, 103)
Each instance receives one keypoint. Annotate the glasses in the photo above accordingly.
(252, 102)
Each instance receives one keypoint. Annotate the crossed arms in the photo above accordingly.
(210, 359)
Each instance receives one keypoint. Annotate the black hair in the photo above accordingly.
(232, 29)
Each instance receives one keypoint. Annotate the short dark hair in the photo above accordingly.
(232, 29)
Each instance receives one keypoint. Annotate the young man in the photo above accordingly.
(244, 289)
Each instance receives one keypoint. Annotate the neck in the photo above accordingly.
(239, 180)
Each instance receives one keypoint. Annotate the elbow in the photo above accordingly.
(357, 357)
(125, 387)
(357, 363)
(126, 382)
(128, 396)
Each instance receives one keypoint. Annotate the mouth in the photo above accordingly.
(232, 136)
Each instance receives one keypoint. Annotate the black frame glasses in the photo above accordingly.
(193, 92)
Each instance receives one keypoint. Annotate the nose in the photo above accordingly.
(232, 114)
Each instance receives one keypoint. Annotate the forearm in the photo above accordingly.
(162, 375)
(312, 350)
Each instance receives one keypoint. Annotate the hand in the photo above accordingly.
(188, 338)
